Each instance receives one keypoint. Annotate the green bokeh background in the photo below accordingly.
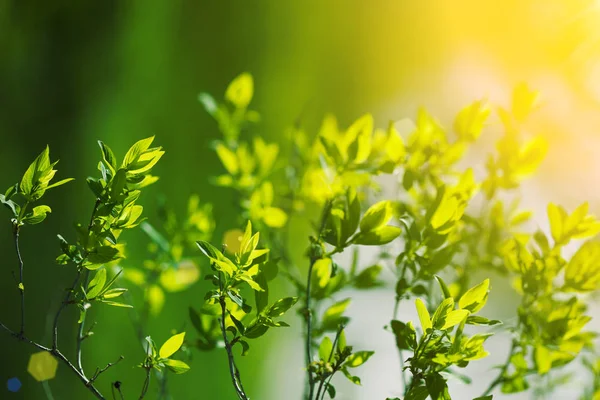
(75, 72)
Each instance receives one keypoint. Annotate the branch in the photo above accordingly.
(500, 378)
(308, 343)
(101, 370)
(61, 308)
(146, 382)
(307, 310)
(55, 352)
(233, 370)
(21, 285)
(80, 334)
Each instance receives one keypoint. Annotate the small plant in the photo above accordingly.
(429, 244)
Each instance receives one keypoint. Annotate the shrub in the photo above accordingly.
(443, 226)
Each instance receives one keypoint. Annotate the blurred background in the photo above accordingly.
(75, 72)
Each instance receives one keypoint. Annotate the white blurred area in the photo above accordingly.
(569, 119)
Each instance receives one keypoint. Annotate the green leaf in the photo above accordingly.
(96, 284)
(330, 390)
(228, 158)
(238, 324)
(321, 272)
(116, 304)
(37, 215)
(379, 236)
(454, 317)
(437, 387)
(176, 366)
(470, 121)
(245, 347)
(489, 397)
(477, 320)
(443, 286)
(325, 348)
(240, 90)
(171, 345)
(406, 337)
(39, 167)
(136, 151)
(357, 359)
(332, 317)
(14, 207)
(351, 378)
(108, 156)
(113, 293)
(59, 183)
(209, 103)
(155, 236)
(281, 306)
(377, 216)
(439, 316)
(101, 255)
(208, 249)
(368, 277)
(417, 393)
(423, 315)
(476, 297)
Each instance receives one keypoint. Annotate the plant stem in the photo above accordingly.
(331, 353)
(146, 383)
(21, 284)
(72, 288)
(307, 305)
(61, 308)
(233, 370)
(402, 374)
(55, 352)
(500, 376)
(80, 334)
(308, 343)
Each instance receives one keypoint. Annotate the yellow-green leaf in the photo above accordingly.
(423, 315)
(171, 345)
(240, 90)
(476, 297)
(357, 359)
(176, 366)
(228, 158)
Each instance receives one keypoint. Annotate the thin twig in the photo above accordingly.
(64, 303)
(80, 334)
(308, 344)
(307, 305)
(146, 383)
(331, 353)
(60, 356)
(21, 284)
(233, 370)
(500, 376)
(101, 370)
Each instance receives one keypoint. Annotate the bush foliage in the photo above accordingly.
(440, 226)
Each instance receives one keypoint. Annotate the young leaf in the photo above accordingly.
(281, 306)
(96, 284)
(423, 315)
(171, 345)
(240, 90)
(376, 216)
(325, 348)
(476, 297)
(176, 366)
(357, 359)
